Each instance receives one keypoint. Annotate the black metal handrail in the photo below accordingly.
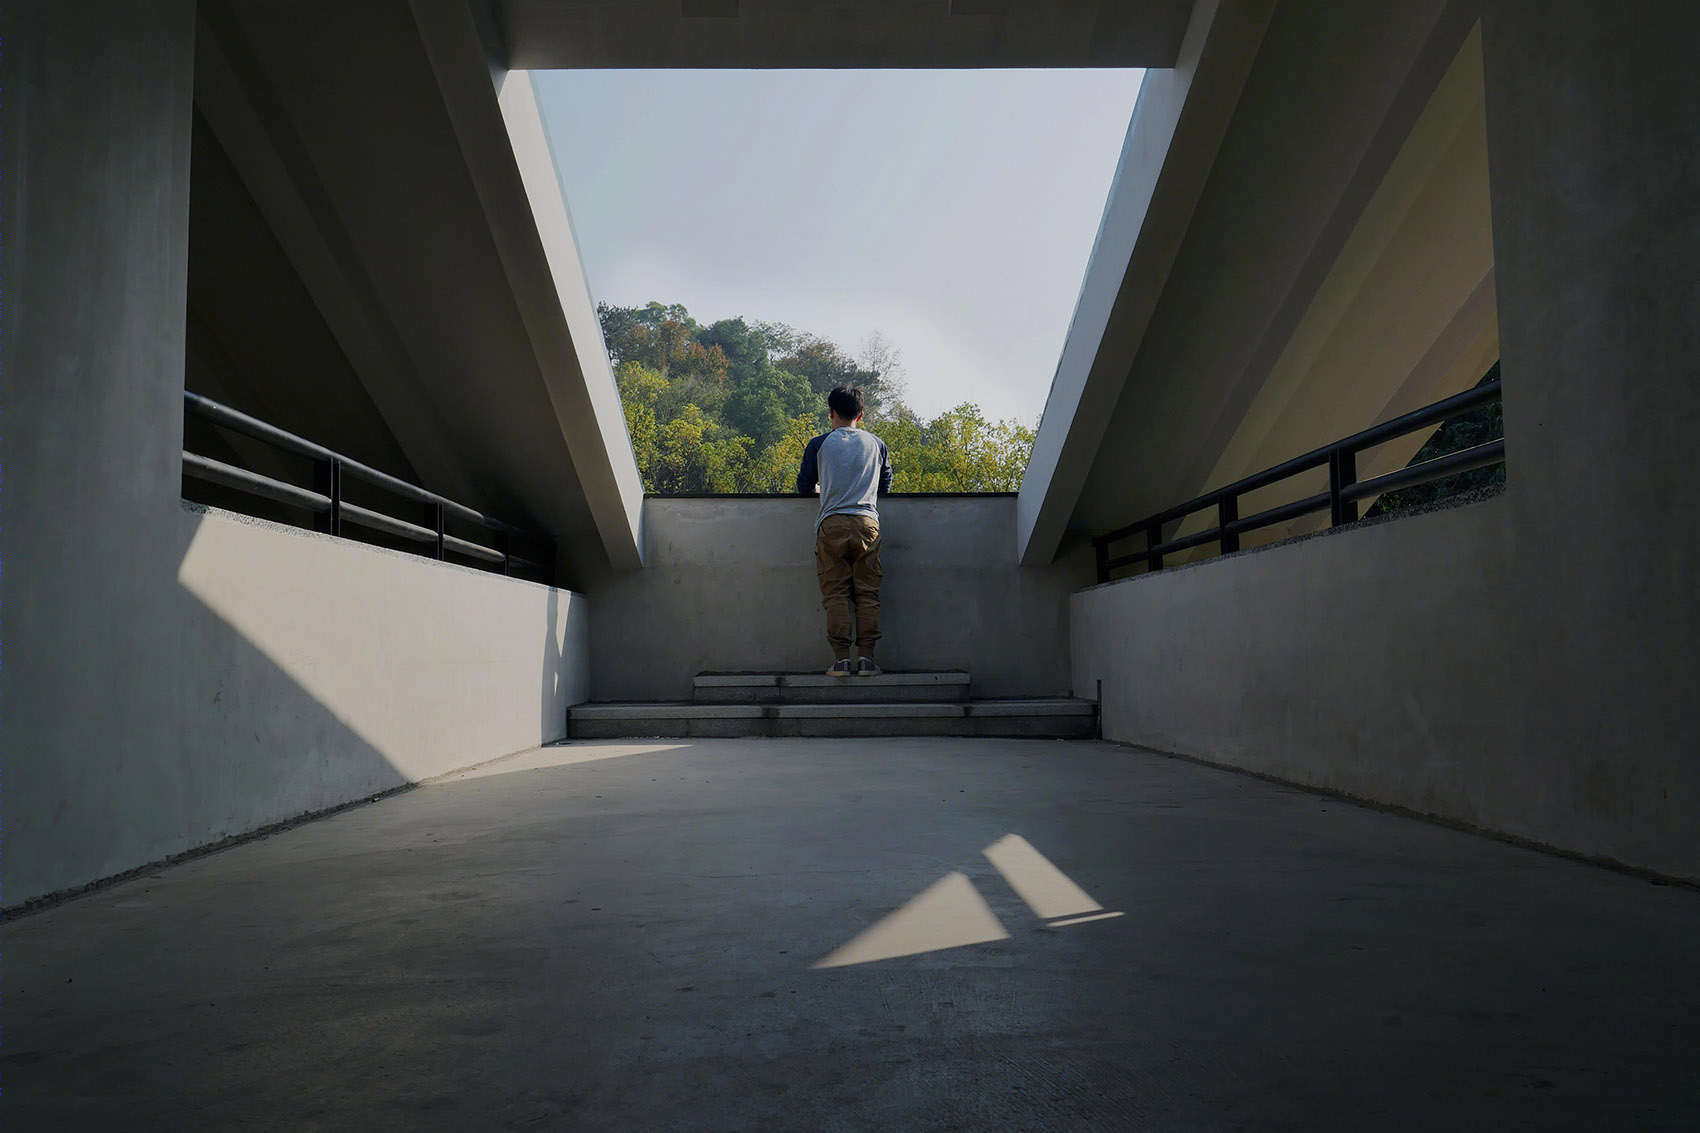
(326, 500)
(1340, 500)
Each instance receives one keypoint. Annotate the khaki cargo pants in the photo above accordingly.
(847, 559)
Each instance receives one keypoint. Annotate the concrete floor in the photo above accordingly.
(622, 936)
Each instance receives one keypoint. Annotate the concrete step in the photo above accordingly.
(1052, 717)
(818, 688)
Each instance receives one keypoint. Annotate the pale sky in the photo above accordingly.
(951, 211)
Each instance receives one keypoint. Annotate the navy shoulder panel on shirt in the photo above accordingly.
(809, 473)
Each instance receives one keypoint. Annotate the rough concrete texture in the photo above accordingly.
(1593, 132)
(174, 677)
(610, 936)
(730, 585)
(277, 672)
(1495, 664)
(1246, 661)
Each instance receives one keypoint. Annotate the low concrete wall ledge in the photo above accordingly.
(730, 586)
(1389, 663)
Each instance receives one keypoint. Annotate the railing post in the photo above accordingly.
(327, 479)
(504, 544)
(439, 532)
(1153, 539)
(1342, 474)
(1101, 549)
(1227, 511)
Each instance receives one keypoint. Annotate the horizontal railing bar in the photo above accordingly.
(253, 483)
(1274, 515)
(1318, 458)
(1262, 519)
(1184, 510)
(1481, 456)
(1187, 543)
(1417, 418)
(1240, 526)
(475, 550)
(1161, 518)
(414, 492)
(254, 427)
(378, 521)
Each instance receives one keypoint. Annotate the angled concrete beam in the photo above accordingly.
(240, 105)
(1177, 126)
(508, 156)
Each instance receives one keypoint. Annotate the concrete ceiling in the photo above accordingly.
(841, 33)
(1327, 107)
(1405, 317)
(1308, 283)
(349, 125)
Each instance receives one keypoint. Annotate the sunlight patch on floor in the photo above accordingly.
(551, 755)
(951, 913)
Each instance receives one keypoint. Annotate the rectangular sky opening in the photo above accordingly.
(927, 230)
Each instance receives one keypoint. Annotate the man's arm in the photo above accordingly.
(808, 478)
(886, 472)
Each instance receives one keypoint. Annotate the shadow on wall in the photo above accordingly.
(271, 674)
(195, 735)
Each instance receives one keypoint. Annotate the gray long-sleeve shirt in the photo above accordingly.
(851, 466)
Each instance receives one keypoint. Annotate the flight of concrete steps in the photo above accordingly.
(814, 704)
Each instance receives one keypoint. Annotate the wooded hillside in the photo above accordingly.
(728, 407)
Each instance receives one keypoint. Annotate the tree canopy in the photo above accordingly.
(729, 407)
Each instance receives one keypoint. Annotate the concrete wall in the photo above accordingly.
(1392, 662)
(174, 677)
(1373, 661)
(1594, 157)
(1528, 664)
(730, 584)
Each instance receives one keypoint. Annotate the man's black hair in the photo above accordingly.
(846, 401)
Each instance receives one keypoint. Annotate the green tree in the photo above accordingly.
(957, 451)
(640, 387)
(642, 334)
(744, 347)
(763, 407)
(729, 407)
(827, 366)
(775, 468)
(693, 453)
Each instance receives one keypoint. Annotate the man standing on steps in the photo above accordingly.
(849, 467)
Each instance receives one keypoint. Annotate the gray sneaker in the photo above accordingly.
(865, 667)
(840, 668)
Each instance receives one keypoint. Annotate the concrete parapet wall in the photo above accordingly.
(1387, 662)
(175, 677)
(730, 584)
(257, 673)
